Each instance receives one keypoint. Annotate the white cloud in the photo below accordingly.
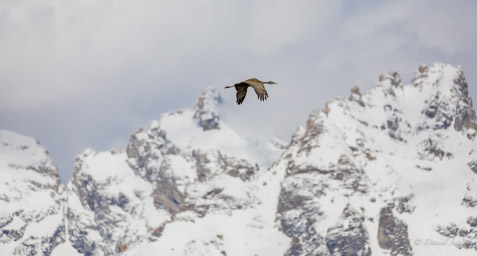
(275, 24)
(444, 25)
(98, 69)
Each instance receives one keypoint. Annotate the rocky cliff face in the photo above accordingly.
(109, 206)
(387, 172)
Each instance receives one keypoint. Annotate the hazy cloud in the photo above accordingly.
(86, 73)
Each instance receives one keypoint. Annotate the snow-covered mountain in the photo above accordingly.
(31, 206)
(167, 192)
(387, 172)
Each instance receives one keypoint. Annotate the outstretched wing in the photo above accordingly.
(259, 89)
(241, 92)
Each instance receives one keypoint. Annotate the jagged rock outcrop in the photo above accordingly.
(462, 235)
(392, 233)
(206, 113)
(109, 207)
(349, 238)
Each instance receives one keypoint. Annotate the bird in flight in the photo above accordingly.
(256, 84)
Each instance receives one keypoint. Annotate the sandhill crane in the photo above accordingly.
(257, 85)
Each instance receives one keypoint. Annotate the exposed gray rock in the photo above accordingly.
(238, 167)
(469, 201)
(393, 77)
(356, 96)
(392, 233)
(463, 235)
(146, 147)
(206, 113)
(419, 76)
(297, 214)
(166, 195)
(351, 238)
(405, 204)
(465, 113)
(203, 171)
(473, 166)
(430, 149)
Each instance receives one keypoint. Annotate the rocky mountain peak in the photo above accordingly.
(14, 148)
(31, 218)
(393, 77)
(206, 109)
(466, 117)
(383, 147)
(446, 97)
(421, 73)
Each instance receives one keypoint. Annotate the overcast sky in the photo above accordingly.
(87, 73)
